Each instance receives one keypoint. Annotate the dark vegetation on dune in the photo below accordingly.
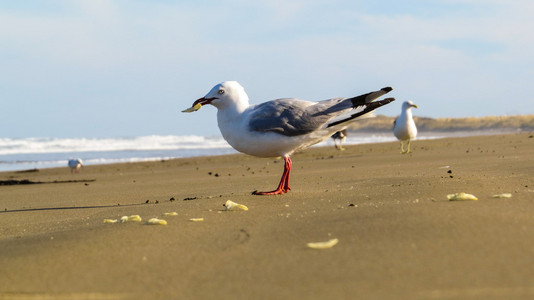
(385, 123)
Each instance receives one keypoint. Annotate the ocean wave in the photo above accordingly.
(143, 143)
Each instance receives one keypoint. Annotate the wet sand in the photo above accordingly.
(399, 236)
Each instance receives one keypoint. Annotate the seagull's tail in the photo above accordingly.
(364, 101)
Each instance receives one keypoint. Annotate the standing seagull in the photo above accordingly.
(341, 136)
(404, 126)
(75, 165)
(283, 126)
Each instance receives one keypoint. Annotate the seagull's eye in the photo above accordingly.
(220, 92)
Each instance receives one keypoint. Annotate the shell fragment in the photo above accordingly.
(323, 245)
(504, 195)
(170, 213)
(231, 205)
(196, 219)
(156, 221)
(193, 108)
(461, 197)
(111, 221)
(132, 218)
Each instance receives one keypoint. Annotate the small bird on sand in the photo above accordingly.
(404, 126)
(280, 127)
(75, 165)
(340, 136)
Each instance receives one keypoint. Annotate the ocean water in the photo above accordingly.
(38, 153)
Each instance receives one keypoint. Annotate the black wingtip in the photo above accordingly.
(369, 97)
(368, 107)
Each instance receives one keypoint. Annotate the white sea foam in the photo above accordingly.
(67, 145)
(30, 153)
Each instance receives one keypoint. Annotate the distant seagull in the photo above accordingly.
(75, 165)
(404, 127)
(340, 136)
(283, 126)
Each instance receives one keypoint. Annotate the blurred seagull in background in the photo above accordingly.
(340, 136)
(75, 165)
(404, 126)
(280, 127)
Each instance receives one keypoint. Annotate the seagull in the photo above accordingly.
(280, 127)
(404, 126)
(75, 165)
(341, 136)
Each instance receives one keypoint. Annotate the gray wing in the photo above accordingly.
(289, 117)
(292, 117)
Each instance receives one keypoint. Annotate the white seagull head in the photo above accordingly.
(223, 95)
(408, 104)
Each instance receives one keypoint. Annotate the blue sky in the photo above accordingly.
(73, 68)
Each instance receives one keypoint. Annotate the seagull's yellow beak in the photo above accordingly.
(193, 108)
(199, 103)
(415, 106)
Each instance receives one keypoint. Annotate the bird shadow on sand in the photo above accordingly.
(69, 207)
(27, 181)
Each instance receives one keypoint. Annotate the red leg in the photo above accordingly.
(283, 186)
(287, 166)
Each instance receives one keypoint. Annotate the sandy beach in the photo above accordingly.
(399, 236)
